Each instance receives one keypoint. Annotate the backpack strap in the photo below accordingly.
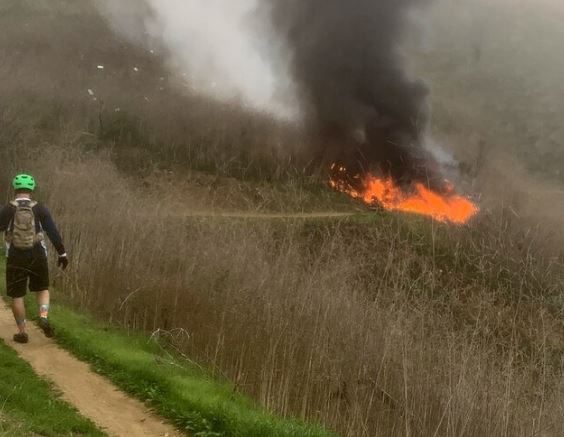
(39, 235)
(11, 225)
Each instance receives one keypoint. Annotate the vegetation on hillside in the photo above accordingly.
(377, 324)
(178, 390)
(370, 324)
(52, 89)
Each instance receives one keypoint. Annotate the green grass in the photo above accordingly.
(186, 395)
(30, 406)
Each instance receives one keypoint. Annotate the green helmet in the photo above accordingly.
(24, 182)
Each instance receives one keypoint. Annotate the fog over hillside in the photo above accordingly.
(497, 96)
(492, 67)
(509, 47)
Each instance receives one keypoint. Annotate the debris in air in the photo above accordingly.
(91, 94)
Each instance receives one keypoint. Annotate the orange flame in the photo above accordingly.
(449, 207)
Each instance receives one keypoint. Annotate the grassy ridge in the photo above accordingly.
(28, 405)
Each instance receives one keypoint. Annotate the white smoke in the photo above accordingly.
(218, 47)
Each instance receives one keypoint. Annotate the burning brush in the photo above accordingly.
(363, 109)
(443, 205)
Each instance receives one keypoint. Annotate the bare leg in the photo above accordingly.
(43, 303)
(18, 308)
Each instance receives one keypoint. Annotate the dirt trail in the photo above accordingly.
(267, 216)
(91, 394)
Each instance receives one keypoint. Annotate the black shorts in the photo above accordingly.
(23, 267)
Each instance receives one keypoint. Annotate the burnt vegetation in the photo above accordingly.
(374, 324)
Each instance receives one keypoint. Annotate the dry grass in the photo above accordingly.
(376, 326)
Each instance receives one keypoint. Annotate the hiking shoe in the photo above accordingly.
(46, 328)
(21, 337)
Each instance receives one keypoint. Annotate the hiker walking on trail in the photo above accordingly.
(25, 223)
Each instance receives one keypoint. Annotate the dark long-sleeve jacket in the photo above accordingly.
(43, 223)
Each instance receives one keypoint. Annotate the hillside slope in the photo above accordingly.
(372, 323)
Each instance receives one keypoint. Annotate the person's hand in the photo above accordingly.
(63, 261)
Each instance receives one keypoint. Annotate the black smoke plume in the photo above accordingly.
(362, 108)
